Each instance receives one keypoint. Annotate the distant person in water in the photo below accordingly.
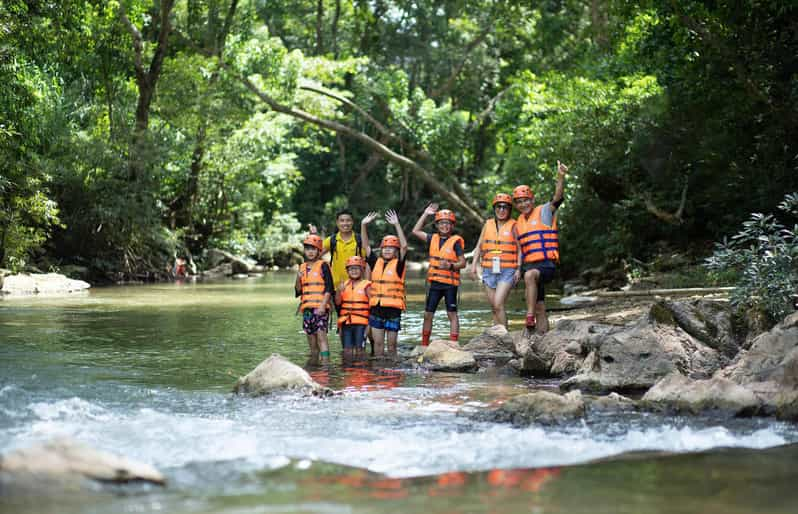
(446, 258)
(388, 284)
(314, 286)
(540, 247)
(497, 254)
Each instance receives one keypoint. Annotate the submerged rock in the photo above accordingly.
(277, 373)
(537, 407)
(68, 462)
(678, 393)
(442, 356)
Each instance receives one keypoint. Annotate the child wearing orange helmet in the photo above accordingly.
(314, 286)
(388, 283)
(353, 298)
(540, 248)
(446, 258)
(498, 253)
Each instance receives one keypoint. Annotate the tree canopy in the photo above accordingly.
(135, 130)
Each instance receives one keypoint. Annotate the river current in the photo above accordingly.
(146, 372)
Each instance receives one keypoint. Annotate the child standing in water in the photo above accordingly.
(388, 284)
(446, 259)
(499, 254)
(314, 285)
(353, 298)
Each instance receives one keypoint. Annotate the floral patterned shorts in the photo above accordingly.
(312, 322)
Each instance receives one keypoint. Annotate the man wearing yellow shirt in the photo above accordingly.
(342, 245)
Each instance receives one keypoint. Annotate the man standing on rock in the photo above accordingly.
(540, 247)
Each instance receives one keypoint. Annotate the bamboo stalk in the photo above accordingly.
(656, 292)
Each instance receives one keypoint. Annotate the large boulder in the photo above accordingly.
(708, 321)
(239, 265)
(635, 357)
(542, 407)
(41, 283)
(677, 393)
(69, 462)
(493, 347)
(561, 351)
(277, 374)
(442, 356)
(769, 368)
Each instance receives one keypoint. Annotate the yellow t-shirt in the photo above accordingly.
(343, 251)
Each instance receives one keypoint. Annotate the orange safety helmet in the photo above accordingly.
(390, 241)
(445, 214)
(355, 260)
(313, 240)
(522, 192)
(502, 198)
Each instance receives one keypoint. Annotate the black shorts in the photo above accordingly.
(547, 270)
(435, 294)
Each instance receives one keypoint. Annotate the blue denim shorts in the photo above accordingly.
(391, 325)
(492, 280)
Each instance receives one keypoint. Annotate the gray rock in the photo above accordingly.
(708, 321)
(635, 357)
(239, 265)
(537, 407)
(612, 402)
(71, 462)
(45, 283)
(276, 374)
(494, 347)
(678, 393)
(441, 356)
(773, 356)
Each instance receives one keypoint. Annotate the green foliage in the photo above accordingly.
(763, 257)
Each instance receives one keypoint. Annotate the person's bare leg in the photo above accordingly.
(499, 300)
(454, 325)
(426, 327)
(392, 338)
(378, 338)
(531, 278)
(491, 294)
(323, 346)
(313, 344)
(542, 318)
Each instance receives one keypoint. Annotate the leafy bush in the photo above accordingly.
(764, 259)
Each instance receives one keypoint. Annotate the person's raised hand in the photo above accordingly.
(391, 217)
(431, 209)
(369, 217)
(312, 228)
(562, 169)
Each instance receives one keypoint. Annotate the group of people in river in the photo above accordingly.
(367, 290)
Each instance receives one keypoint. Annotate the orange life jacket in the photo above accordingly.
(354, 304)
(312, 283)
(499, 242)
(439, 254)
(539, 242)
(388, 287)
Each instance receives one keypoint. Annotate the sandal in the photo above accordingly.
(530, 320)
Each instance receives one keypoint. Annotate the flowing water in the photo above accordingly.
(146, 372)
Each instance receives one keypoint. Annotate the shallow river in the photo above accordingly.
(146, 372)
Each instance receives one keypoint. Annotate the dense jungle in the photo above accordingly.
(135, 131)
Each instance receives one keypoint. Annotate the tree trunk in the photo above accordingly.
(146, 81)
(319, 27)
(334, 34)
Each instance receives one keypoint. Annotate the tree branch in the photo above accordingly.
(138, 45)
(447, 86)
(424, 174)
(382, 129)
